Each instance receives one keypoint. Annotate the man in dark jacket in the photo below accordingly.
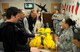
(13, 37)
(32, 19)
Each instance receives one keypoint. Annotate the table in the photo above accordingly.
(34, 49)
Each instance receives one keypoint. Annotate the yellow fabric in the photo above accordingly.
(35, 42)
(41, 30)
(47, 40)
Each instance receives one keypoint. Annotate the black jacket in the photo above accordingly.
(14, 39)
(31, 22)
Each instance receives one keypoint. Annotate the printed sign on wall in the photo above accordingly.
(72, 8)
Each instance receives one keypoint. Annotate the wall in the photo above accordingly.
(74, 16)
(20, 3)
(15, 3)
(0, 8)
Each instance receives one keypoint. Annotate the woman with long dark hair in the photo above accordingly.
(39, 21)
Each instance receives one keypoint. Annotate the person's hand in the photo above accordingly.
(56, 38)
(55, 35)
(37, 34)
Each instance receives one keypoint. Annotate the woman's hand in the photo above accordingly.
(37, 34)
(56, 38)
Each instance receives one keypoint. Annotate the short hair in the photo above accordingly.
(12, 11)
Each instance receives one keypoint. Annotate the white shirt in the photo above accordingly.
(26, 25)
(38, 25)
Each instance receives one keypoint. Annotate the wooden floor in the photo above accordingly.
(76, 42)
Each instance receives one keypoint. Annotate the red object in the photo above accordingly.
(76, 10)
(77, 7)
(69, 7)
(72, 8)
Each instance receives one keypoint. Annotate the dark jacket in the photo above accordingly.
(14, 39)
(31, 22)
